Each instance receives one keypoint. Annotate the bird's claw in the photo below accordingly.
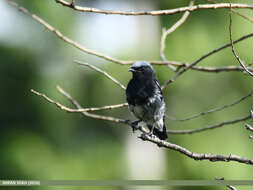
(151, 134)
(134, 126)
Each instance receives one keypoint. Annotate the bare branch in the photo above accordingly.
(215, 109)
(178, 74)
(121, 62)
(195, 156)
(232, 44)
(155, 140)
(64, 108)
(191, 131)
(172, 29)
(157, 12)
(87, 114)
(248, 127)
(102, 72)
(231, 187)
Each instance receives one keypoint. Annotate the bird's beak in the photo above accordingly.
(131, 69)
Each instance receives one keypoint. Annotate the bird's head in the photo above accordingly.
(141, 69)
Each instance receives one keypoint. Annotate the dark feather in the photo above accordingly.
(144, 96)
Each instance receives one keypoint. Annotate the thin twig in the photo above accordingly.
(157, 141)
(189, 66)
(209, 69)
(219, 69)
(157, 12)
(102, 72)
(191, 131)
(232, 44)
(228, 186)
(236, 12)
(243, 16)
(215, 109)
(249, 127)
(64, 108)
(165, 33)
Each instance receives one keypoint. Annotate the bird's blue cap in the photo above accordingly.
(140, 64)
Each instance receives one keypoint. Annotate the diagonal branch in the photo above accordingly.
(232, 44)
(157, 12)
(248, 127)
(243, 16)
(66, 39)
(191, 131)
(102, 72)
(64, 108)
(215, 109)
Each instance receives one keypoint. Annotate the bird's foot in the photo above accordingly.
(151, 134)
(146, 136)
(135, 126)
(151, 129)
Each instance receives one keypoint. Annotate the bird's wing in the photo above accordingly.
(157, 83)
(159, 90)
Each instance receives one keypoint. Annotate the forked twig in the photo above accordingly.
(165, 33)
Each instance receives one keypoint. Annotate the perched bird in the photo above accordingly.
(145, 99)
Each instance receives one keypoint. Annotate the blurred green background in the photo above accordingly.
(39, 141)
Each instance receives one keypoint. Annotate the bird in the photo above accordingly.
(145, 99)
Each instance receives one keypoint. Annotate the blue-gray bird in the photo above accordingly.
(145, 99)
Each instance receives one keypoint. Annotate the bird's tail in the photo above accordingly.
(161, 134)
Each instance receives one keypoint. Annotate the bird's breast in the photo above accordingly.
(138, 111)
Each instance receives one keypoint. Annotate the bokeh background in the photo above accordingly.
(39, 141)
